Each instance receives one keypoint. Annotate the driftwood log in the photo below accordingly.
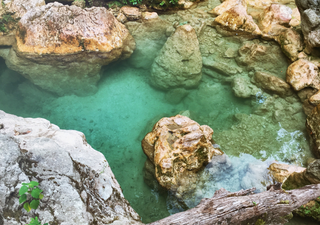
(244, 207)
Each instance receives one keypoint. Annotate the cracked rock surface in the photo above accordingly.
(77, 182)
(62, 48)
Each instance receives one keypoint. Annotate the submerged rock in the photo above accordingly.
(272, 83)
(179, 147)
(179, 63)
(77, 182)
(62, 48)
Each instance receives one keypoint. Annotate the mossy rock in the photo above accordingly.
(311, 210)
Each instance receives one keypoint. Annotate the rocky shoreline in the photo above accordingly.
(261, 50)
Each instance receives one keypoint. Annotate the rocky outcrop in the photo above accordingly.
(62, 48)
(236, 19)
(291, 43)
(274, 18)
(302, 74)
(310, 20)
(77, 182)
(179, 63)
(312, 124)
(178, 147)
(10, 13)
(272, 83)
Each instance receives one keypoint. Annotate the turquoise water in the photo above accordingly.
(123, 111)
(116, 119)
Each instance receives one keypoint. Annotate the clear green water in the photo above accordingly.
(119, 115)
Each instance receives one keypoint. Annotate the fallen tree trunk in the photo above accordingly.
(244, 207)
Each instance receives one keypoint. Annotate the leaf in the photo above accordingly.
(46, 224)
(36, 192)
(41, 196)
(27, 207)
(25, 184)
(34, 204)
(33, 184)
(22, 198)
(23, 190)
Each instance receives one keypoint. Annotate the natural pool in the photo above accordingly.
(126, 107)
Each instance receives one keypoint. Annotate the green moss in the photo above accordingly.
(313, 210)
(284, 202)
(260, 222)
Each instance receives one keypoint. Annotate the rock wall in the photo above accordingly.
(77, 182)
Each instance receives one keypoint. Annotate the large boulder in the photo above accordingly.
(62, 48)
(77, 182)
(310, 20)
(303, 73)
(179, 62)
(179, 147)
(10, 13)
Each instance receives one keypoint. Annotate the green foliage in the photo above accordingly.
(260, 222)
(30, 196)
(254, 203)
(34, 221)
(4, 21)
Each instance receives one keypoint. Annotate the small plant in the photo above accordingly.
(31, 195)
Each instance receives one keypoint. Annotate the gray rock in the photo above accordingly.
(310, 20)
(77, 182)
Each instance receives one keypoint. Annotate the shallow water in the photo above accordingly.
(126, 107)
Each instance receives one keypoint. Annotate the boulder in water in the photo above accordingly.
(179, 147)
(179, 63)
(62, 48)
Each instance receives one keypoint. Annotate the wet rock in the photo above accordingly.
(303, 73)
(263, 57)
(179, 63)
(77, 182)
(315, 99)
(131, 13)
(272, 83)
(179, 147)
(291, 43)
(310, 19)
(243, 88)
(280, 172)
(309, 210)
(237, 19)
(312, 124)
(150, 36)
(62, 48)
(220, 66)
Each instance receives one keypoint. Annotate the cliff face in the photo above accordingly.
(77, 182)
